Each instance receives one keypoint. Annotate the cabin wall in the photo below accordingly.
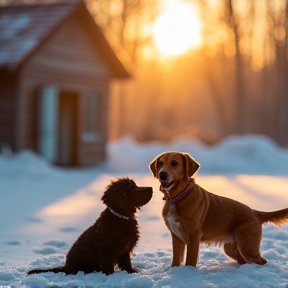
(71, 52)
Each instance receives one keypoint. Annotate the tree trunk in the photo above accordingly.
(239, 76)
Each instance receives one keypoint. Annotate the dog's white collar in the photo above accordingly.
(117, 214)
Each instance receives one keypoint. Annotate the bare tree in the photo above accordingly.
(126, 23)
(259, 105)
(233, 23)
(278, 102)
(227, 19)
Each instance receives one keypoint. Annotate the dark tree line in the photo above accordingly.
(258, 32)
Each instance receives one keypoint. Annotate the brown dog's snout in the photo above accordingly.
(163, 175)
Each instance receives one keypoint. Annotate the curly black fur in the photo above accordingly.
(111, 239)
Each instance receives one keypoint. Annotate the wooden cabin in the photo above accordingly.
(55, 69)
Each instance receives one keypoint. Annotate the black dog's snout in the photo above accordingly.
(163, 175)
(149, 190)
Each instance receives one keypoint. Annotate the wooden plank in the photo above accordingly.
(70, 49)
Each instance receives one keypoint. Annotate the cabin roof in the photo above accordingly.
(24, 28)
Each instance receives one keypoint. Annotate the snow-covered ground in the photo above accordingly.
(43, 209)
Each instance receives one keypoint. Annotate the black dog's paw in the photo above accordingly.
(107, 272)
(133, 270)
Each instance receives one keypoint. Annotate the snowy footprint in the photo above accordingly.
(51, 247)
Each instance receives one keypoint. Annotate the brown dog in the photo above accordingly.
(194, 215)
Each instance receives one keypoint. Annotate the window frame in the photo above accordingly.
(92, 121)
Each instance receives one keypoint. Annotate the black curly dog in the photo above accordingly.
(114, 235)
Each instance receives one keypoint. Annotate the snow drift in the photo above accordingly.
(45, 208)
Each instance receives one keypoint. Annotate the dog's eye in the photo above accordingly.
(174, 163)
(159, 164)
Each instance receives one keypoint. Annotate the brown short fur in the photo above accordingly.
(111, 239)
(205, 217)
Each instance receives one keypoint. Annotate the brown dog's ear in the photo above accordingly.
(191, 165)
(153, 166)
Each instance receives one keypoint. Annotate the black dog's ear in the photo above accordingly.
(191, 165)
(153, 166)
(108, 196)
(111, 198)
(105, 198)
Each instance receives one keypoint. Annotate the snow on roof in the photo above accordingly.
(23, 27)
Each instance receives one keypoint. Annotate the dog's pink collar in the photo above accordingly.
(117, 214)
(181, 195)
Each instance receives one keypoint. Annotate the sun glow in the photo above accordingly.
(177, 29)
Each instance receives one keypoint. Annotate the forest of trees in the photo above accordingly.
(243, 63)
(235, 83)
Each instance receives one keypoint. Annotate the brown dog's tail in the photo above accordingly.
(55, 270)
(277, 217)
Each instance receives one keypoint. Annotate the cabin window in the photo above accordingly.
(92, 117)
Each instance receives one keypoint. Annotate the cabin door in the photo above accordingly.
(58, 126)
(67, 133)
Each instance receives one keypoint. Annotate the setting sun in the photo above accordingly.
(177, 29)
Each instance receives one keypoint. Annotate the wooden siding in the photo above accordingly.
(70, 52)
(7, 108)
